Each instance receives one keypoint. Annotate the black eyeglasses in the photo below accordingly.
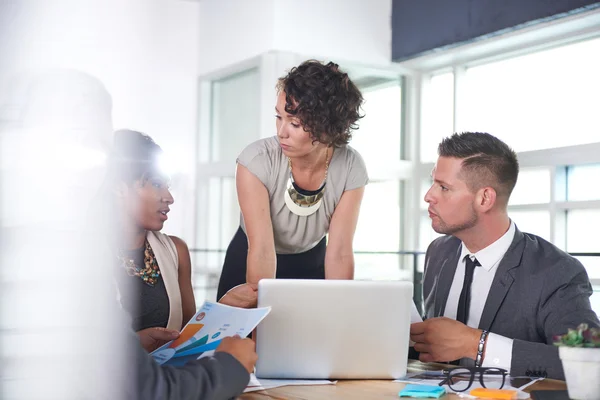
(460, 379)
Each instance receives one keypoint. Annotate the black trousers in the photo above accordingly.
(307, 265)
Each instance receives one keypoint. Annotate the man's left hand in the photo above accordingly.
(443, 339)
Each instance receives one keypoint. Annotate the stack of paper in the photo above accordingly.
(264, 384)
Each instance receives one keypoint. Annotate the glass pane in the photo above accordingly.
(581, 182)
(217, 221)
(379, 133)
(535, 222)
(205, 274)
(380, 267)
(541, 100)
(533, 187)
(425, 185)
(378, 227)
(595, 300)
(592, 265)
(235, 115)
(580, 240)
(426, 233)
(580, 236)
(438, 114)
(230, 211)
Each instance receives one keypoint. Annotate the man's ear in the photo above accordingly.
(486, 198)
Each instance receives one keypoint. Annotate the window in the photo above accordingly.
(426, 233)
(378, 229)
(580, 238)
(425, 185)
(595, 300)
(378, 136)
(229, 116)
(378, 140)
(533, 187)
(535, 222)
(582, 182)
(581, 235)
(217, 221)
(537, 101)
(235, 114)
(438, 111)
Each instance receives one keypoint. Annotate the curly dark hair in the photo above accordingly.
(324, 99)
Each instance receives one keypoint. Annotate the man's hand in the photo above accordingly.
(242, 350)
(244, 296)
(152, 338)
(443, 339)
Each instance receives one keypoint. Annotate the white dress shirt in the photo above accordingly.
(498, 351)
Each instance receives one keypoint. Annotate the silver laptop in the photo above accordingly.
(338, 329)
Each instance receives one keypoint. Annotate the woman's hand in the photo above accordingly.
(244, 296)
(152, 338)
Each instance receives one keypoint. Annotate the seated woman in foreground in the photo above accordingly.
(153, 270)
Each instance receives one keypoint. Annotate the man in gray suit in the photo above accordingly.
(222, 376)
(494, 296)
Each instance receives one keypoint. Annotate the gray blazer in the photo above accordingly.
(219, 377)
(538, 291)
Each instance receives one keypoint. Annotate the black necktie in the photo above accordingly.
(464, 301)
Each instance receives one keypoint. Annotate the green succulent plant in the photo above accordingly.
(583, 336)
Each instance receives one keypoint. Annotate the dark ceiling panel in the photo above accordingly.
(420, 26)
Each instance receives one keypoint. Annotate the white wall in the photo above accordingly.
(357, 31)
(234, 30)
(341, 30)
(146, 54)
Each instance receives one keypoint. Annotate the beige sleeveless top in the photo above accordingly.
(293, 233)
(168, 262)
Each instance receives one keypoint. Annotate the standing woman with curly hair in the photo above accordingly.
(298, 186)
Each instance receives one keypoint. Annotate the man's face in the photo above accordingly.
(451, 203)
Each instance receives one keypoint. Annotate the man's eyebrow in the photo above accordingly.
(441, 181)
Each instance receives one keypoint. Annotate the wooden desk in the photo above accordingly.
(361, 390)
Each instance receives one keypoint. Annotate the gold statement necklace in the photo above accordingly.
(304, 202)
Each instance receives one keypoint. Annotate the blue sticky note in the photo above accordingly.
(411, 390)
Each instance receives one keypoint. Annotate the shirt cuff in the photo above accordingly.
(498, 352)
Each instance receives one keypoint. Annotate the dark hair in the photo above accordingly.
(134, 157)
(486, 161)
(324, 99)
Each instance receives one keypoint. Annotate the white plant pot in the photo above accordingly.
(582, 371)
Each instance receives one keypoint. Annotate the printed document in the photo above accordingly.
(203, 333)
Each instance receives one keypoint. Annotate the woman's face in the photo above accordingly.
(293, 139)
(147, 203)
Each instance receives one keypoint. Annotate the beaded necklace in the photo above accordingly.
(150, 273)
